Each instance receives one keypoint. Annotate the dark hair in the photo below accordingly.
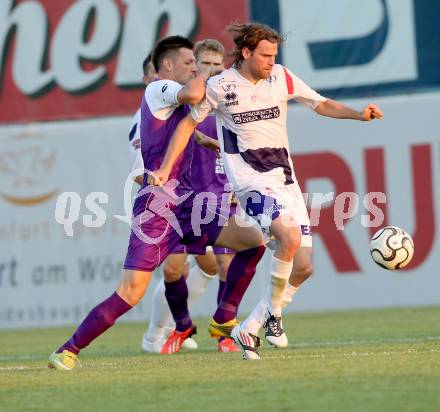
(248, 35)
(145, 64)
(167, 45)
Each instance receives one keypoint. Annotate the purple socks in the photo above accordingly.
(221, 288)
(177, 297)
(240, 273)
(97, 322)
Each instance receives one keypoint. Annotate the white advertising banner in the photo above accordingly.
(50, 278)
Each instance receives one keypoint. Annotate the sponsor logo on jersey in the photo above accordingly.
(229, 87)
(219, 166)
(274, 208)
(231, 99)
(256, 115)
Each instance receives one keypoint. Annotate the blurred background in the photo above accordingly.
(71, 78)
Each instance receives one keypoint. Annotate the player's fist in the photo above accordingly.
(159, 177)
(371, 112)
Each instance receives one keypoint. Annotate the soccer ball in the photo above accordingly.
(391, 248)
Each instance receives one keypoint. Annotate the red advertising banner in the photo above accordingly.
(75, 59)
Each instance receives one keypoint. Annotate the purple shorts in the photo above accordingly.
(188, 249)
(158, 231)
(217, 250)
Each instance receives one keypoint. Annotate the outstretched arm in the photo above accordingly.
(332, 108)
(179, 141)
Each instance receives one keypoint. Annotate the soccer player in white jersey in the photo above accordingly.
(149, 74)
(208, 53)
(250, 101)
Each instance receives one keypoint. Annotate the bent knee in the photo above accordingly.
(171, 273)
(305, 271)
(130, 294)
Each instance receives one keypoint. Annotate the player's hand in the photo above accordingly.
(159, 177)
(205, 71)
(371, 112)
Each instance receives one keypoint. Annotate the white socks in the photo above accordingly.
(255, 320)
(197, 283)
(279, 275)
(288, 295)
(161, 317)
(277, 296)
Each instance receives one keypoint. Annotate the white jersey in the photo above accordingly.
(134, 140)
(251, 125)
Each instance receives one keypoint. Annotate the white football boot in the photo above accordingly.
(274, 332)
(152, 346)
(190, 343)
(247, 343)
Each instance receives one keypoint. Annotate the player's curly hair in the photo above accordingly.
(248, 35)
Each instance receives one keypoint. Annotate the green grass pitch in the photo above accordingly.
(375, 360)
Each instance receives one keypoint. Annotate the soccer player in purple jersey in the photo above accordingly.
(162, 217)
(208, 176)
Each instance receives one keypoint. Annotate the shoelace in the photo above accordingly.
(256, 339)
(274, 325)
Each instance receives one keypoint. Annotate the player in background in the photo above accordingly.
(160, 215)
(250, 102)
(149, 75)
(209, 173)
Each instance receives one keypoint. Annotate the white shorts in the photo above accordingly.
(266, 204)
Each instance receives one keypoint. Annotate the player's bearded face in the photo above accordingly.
(184, 66)
(262, 59)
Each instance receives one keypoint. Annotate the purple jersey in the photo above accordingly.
(161, 220)
(160, 115)
(207, 172)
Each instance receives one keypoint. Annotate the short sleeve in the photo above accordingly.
(163, 92)
(301, 92)
(200, 111)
